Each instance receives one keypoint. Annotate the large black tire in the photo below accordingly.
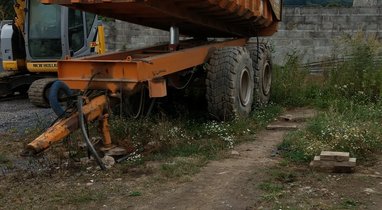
(38, 92)
(230, 83)
(262, 64)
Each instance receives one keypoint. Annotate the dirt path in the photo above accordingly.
(229, 183)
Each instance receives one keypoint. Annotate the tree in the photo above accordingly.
(6, 10)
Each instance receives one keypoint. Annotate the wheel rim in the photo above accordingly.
(267, 79)
(245, 89)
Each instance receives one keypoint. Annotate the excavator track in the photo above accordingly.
(39, 90)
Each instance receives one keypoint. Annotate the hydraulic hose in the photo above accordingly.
(54, 94)
(85, 134)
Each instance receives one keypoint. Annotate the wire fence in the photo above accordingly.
(327, 65)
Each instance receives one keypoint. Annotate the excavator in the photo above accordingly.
(38, 36)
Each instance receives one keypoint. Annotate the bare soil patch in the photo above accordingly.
(253, 176)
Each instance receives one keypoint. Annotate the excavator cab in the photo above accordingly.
(54, 32)
(38, 37)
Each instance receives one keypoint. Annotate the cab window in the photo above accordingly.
(76, 30)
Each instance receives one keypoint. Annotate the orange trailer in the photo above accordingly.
(237, 73)
(198, 18)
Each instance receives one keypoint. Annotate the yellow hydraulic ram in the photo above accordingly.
(94, 110)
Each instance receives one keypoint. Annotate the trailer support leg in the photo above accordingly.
(105, 130)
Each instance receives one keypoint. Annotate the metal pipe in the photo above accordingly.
(174, 38)
(174, 35)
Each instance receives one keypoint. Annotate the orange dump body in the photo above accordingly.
(198, 18)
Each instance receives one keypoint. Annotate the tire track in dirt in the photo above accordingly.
(229, 183)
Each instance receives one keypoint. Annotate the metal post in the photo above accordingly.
(174, 38)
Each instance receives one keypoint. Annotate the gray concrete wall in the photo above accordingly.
(312, 32)
(366, 3)
(122, 35)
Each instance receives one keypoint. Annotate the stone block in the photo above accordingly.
(313, 20)
(307, 27)
(317, 162)
(326, 25)
(334, 156)
(334, 166)
(368, 10)
(282, 126)
(310, 11)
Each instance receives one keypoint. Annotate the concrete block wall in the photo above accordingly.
(367, 3)
(122, 35)
(312, 32)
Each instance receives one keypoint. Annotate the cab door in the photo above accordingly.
(81, 31)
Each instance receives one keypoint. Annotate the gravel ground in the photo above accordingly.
(18, 115)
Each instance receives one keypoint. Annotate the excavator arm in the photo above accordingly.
(19, 21)
(12, 39)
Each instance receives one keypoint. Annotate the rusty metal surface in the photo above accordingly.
(277, 8)
(199, 18)
(124, 71)
(66, 126)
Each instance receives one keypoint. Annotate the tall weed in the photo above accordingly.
(350, 92)
(288, 87)
(360, 77)
(346, 130)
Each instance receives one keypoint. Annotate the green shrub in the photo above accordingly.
(350, 94)
(288, 86)
(360, 77)
(6, 10)
(349, 130)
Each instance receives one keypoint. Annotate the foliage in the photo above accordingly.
(6, 10)
(182, 166)
(188, 136)
(135, 193)
(351, 95)
(347, 129)
(288, 88)
(359, 78)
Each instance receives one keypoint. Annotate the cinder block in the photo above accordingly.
(334, 156)
(334, 166)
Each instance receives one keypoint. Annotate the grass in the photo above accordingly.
(350, 130)
(86, 197)
(349, 96)
(186, 143)
(135, 193)
(349, 203)
(3, 159)
(272, 191)
(284, 187)
(182, 166)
